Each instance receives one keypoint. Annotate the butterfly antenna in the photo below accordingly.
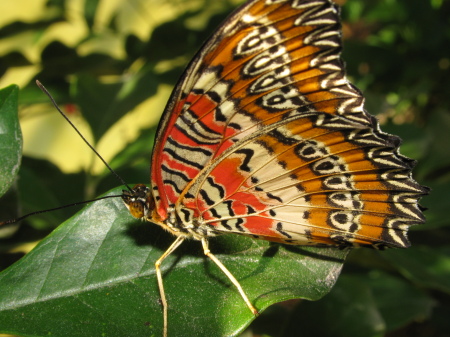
(39, 84)
(11, 221)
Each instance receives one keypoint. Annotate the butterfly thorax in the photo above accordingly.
(141, 204)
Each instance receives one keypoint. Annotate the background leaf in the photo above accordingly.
(10, 137)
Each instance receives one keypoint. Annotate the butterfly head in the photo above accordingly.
(139, 201)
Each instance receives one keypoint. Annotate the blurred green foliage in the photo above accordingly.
(396, 52)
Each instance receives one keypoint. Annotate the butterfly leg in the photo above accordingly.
(229, 275)
(162, 294)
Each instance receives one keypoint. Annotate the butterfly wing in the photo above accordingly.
(265, 136)
(207, 106)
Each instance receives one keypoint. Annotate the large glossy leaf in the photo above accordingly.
(10, 137)
(94, 275)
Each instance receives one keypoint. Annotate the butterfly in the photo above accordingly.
(265, 137)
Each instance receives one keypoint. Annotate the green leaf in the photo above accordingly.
(379, 301)
(437, 207)
(36, 194)
(94, 275)
(399, 302)
(133, 152)
(428, 266)
(10, 137)
(103, 104)
(437, 161)
(90, 9)
(336, 314)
